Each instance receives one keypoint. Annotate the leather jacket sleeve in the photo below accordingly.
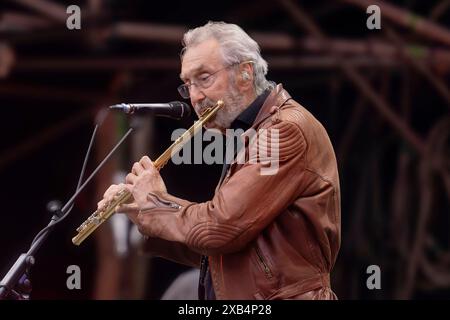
(246, 203)
(174, 251)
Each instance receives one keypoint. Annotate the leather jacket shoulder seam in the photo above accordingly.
(320, 176)
(328, 181)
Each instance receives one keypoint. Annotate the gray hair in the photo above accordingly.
(236, 47)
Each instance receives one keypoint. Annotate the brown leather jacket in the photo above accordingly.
(267, 236)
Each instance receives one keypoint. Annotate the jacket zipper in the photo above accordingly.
(172, 205)
(263, 262)
(162, 203)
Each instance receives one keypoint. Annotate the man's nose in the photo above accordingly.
(196, 95)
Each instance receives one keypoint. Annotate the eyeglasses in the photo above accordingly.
(203, 82)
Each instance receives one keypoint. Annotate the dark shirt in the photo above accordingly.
(244, 121)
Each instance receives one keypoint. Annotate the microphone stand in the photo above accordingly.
(16, 284)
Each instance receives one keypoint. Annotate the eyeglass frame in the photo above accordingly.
(186, 86)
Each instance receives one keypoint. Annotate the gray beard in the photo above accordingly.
(233, 106)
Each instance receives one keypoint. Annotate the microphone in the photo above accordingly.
(175, 109)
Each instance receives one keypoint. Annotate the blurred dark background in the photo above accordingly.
(383, 96)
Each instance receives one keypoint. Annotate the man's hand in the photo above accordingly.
(109, 196)
(143, 179)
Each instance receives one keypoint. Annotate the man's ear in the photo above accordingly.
(245, 76)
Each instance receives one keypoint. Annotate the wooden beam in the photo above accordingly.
(149, 32)
(50, 93)
(15, 21)
(97, 64)
(284, 62)
(47, 8)
(7, 59)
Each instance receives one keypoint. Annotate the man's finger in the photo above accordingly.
(110, 190)
(128, 208)
(131, 178)
(101, 203)
(137, 168)
(146, 162)
(113, 189)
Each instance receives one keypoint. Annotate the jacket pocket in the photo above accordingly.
(263, 263)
